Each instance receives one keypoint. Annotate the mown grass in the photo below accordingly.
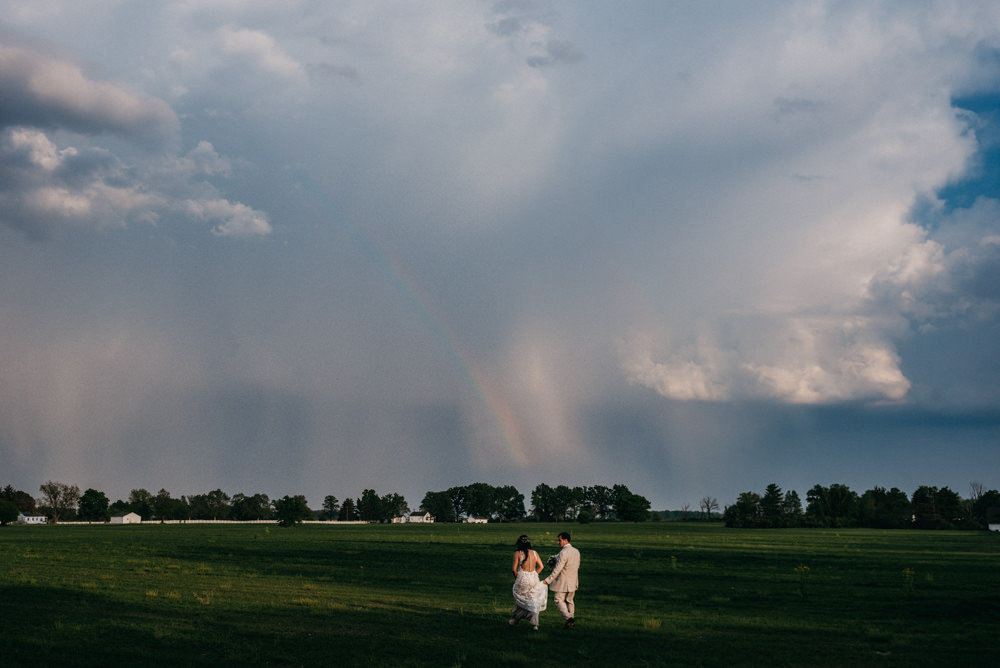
(684, 594)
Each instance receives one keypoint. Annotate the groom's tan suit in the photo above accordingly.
(563, 581)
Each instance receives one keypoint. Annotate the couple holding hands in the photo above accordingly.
(531, 595)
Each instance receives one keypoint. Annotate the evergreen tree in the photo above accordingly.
(347, 511)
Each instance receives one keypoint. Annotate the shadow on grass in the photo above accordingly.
(72, 628)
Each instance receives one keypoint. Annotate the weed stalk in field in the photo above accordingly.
(802, 571)
(908, 574)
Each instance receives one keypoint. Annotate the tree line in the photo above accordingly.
(834, 506)
(548, 504)
(63, 502)
(879, 508)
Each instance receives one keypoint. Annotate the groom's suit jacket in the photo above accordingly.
(564, 575)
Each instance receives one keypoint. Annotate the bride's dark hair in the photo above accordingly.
(523, 545)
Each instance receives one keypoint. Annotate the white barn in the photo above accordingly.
(127, 518)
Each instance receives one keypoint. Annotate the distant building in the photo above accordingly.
(476, 520)
(994, 527)
(128, 518)
(422, 517)
(31, 519)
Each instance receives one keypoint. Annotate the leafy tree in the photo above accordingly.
(211, 506)
(292, 510)
(982, 505)
(879, 508)
(509, 503)
(458, 502)
(24, 502)
(600, 500)
(565, 501)
(843, 506)
(8, 512)
(218, 504)
(93, 506)
(118, 508)
(330, 507)
(950, 507)
(167, 507)
(745, 512)
(632, 508)
(370, 506)
(246, 508)
(198, 507)
(60, 498)
(140, 501)
(479, 500)
(818, 506)
(925, 511)
(618, 492)
(544, 504)
(833, 506)
(439, 505)
(394, 505)
(347, 511)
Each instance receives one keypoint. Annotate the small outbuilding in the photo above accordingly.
(127, 518)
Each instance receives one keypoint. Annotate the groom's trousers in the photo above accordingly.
(564, 604)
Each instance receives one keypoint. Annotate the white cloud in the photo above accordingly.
(236, 220)
(828, 268)
(46, 186)
(261, 50)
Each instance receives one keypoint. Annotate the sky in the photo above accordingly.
(317, 247)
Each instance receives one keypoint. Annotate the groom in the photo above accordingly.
(563, 579)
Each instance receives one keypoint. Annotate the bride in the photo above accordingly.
(530, 595)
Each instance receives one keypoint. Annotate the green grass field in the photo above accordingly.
(682, 594)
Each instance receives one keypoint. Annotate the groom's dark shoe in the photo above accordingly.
(570, 623)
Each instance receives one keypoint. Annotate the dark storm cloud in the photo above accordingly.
(43, 91)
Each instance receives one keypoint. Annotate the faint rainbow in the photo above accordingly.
(403, 280)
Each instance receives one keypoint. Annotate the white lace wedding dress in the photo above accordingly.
(529, 592)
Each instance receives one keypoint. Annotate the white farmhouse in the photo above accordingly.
(128, 518)
(30, 519)
(422, 517)
(476, 520)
